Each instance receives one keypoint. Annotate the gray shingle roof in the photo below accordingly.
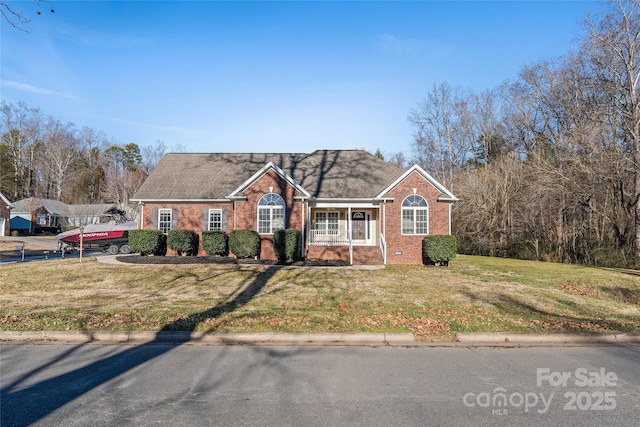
(60, 208)
(324, 174)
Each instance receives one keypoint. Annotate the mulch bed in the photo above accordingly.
(176, 260)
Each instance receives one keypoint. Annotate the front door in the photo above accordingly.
(358, 225)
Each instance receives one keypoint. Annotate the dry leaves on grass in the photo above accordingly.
(580, 290)
(620, 294)
(421, 326)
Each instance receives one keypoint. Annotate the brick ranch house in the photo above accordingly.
(347, 204)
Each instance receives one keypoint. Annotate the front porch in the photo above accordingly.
(351, 234)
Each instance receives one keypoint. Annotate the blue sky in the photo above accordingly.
(265, 76)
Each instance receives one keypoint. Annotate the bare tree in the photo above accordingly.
(21, 129)
(442, 141)
(123, 177)
(18, 18)
(151, 155)
(89, 173)
(486, 217)
(613, 47)
(61, 150)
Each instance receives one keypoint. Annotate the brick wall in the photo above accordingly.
(244, 218)
(406, 249)
(247, 211)
(190, 217)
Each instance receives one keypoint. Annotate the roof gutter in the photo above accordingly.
(226, 200)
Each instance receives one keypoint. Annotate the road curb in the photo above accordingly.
(505, 338)
(467, 339)
(215, 338)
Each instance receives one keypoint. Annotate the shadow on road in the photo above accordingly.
(23, 406)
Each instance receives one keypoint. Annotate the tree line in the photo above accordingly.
(546, 166)
(43, 157)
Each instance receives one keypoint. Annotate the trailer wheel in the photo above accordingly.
(112, 250)
(125, 249)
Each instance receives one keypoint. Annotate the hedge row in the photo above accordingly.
(243, 243)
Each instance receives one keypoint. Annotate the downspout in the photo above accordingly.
(384, 229)
(308, 225)
(304, 237)
(449, 218)
(141, 225)
(349, 236)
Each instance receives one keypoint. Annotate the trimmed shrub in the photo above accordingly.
(293, 242)
(215, 242)
(286, 244)
(244, 243)
(439, 249)
(185, 242)
(147, 242)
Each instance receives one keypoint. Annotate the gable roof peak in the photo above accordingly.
(446, 196)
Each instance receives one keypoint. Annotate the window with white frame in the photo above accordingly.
(271, 209)
(415, 215)
(215, 219)
(164, 220)
(328, 223)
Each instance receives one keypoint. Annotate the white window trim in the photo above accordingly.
(219, 211)
(160, 222)
(414, 209)
(270, 209)
(326, 230)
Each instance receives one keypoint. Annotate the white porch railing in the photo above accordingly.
(328, 238)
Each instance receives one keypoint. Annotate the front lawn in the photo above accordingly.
(474, 294)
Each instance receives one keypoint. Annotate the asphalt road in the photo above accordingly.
(160, 384)
(39, 255)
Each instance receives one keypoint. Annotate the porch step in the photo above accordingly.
(367, 255)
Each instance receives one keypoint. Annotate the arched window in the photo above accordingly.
(270, 213)
(415, 215)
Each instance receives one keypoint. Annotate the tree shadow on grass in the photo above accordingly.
(516, 308)
(23, 406)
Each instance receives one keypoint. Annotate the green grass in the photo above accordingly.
(474, 294)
